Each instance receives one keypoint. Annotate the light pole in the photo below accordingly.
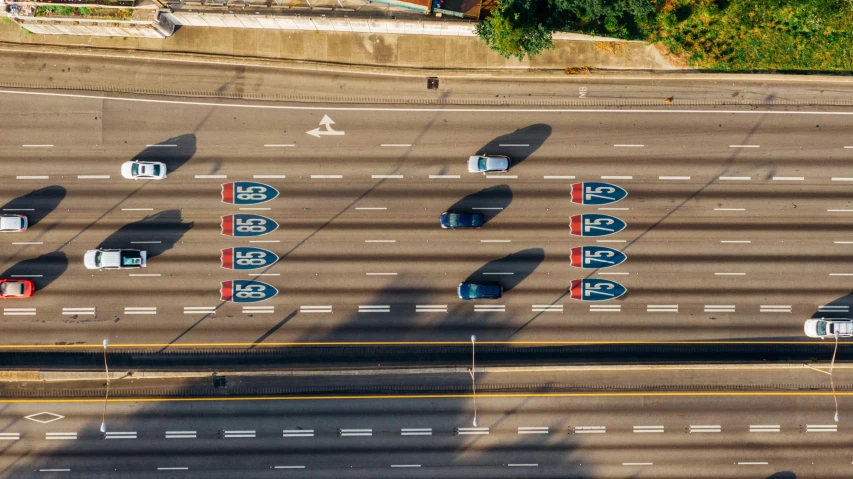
(473, 378)
(831, 381)
(107, 395)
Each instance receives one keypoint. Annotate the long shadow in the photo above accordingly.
(521, 264)
(174, 152)
(273, 329)
(489, 202)
(42, 201)
(837, 309)
(43, 270)
(156, 233)
(518, 145)
(783, 475)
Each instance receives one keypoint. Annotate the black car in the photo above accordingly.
(461, 220)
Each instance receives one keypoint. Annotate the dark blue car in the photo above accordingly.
(461, 220)
(480, 291)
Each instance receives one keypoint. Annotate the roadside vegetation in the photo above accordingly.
(84, 12)
(735, 35)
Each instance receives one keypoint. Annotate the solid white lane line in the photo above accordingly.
(279, 145)
(137, 209)
(729, 209)
(617, 177)
(551, 177)
(629, 146)
(735, 241)
(513, 144)
(788, 178)
(386, 177)
(405, 465)
(32, 177)
(37, 146)
(161, 146)
(29, 242)
(729, 274)
(495, 241)
(396, 144)
(327, 177)
(735, 178)
(371, 208)
(271, 177)
(210, 177)
(744, 146)
(673, 177)
(435, 177)
(93, 177)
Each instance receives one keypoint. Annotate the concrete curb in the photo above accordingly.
(509, 73)
(47, 376)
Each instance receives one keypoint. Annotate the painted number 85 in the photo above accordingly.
(251, 193)
(251, 225)
(251, 258)
(252, 291)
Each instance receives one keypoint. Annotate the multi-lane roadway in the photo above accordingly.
(738, 220)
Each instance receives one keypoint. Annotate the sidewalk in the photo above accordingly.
(367, 49)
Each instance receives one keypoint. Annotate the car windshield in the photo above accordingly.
(156, 170)
(474, 290)
(482, 164)
(821, 328)
(453, 219)
(2, 288)
(98, 258)
(134, 169)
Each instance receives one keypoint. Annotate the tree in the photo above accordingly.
(514, 34)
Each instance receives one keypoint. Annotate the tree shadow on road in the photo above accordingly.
(488, 202)
(518, 145)
(521, 264)
(42, 201)
(156, 233)
(49, 266)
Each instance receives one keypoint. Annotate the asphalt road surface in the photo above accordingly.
(738, 220)
(521, 437)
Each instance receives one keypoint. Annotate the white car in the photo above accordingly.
(13, 223)
(829, 328)
(143, 170)
(115, 259)
(488, 164)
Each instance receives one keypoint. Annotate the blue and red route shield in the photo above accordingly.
(247, 225)
(595, 193)
(596, 257)
(247, 193)
(245, 291)
(247, 257)
(593, 224)
(594, 289)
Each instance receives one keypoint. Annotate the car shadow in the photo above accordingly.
(43, 270)
(489, 202)
(837, 309)
(519, 144)
(42, 201)
(521, 264)
(173, 157)
(155, 233)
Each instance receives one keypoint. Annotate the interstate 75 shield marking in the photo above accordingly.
(595, 193)
(593, 289)
(596, 257)
(247, 225)
(245, 291)
(593, 224)
(247, 257)
(247, 193)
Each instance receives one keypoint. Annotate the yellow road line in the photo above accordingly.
(413, 343)
(445, 396)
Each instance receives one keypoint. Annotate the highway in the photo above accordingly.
(737, 220)
(601, 436)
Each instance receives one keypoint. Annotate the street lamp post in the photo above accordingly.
(837, 417)
(473, 378)
(107, 395)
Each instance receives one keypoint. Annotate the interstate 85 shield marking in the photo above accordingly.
(245, 291)
(593, 289)
(595, 257)
(247, 225)
(595, 193)
(593, 224)
(247, 257)
(247, 193)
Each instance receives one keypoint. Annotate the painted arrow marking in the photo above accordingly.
(327, 122)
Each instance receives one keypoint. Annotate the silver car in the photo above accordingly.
(13, 223)
(143, 170)
(488, 164)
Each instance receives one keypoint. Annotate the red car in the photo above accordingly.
(16, 288)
